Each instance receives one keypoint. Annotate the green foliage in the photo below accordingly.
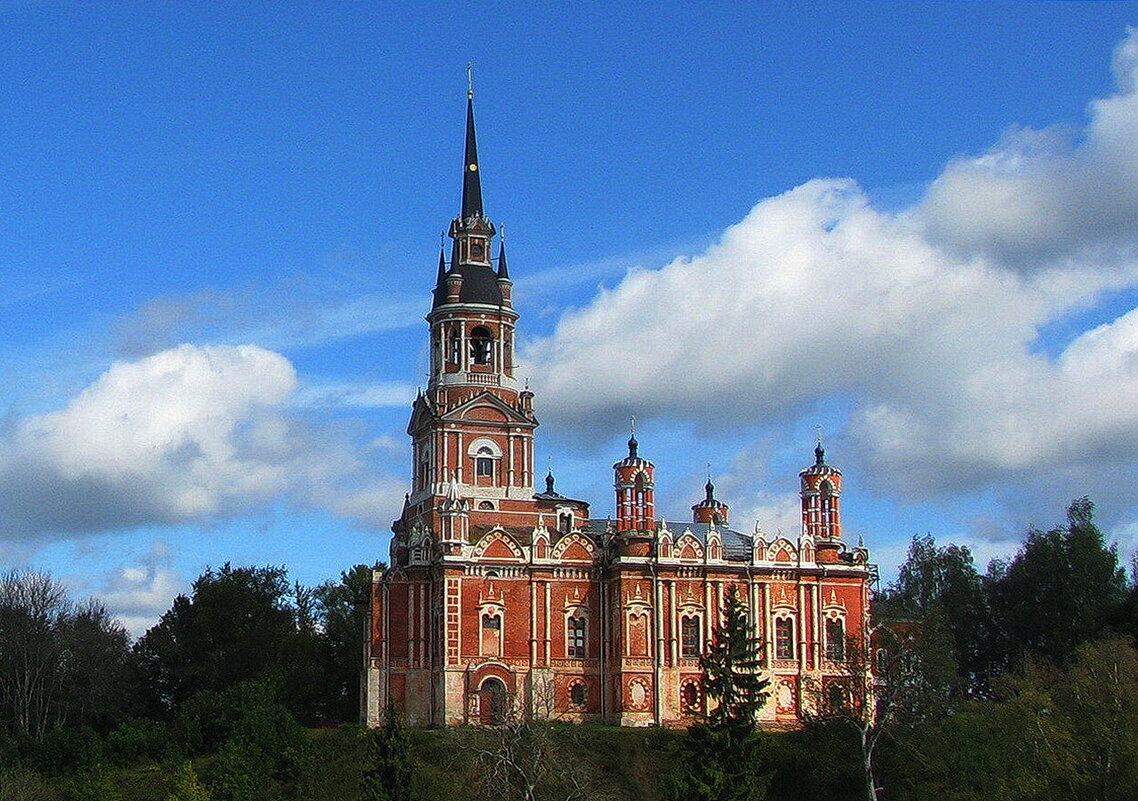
(720, 757)
(1061, 589)
(718, 763)
(391, 774)
(1054, 732)
(731, 670)
(96, 783)
(65, 751)
(246, 623)
(136, 740)
(185, 784)
(940, 589)
(237, 626)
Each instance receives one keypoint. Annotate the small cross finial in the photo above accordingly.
(502, 231)
(818, 428)
(470, 79)
(442, 239)
(632, 425)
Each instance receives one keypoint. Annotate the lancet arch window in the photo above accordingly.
(784, 638)
(576, 629)
(835, 639)
(826, 508)
(691, 637)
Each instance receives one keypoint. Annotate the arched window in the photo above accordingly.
(575, 637)
(835, 640)
(578, 694)
(565, 522)
(827, 504)
(454, 348)
(486, 506)
(484, 463)
(691, 645)
(784, 638)
(481, 341)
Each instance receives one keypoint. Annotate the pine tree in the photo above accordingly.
(390, 776)
(722, 753)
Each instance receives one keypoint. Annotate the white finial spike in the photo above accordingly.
(502, 232)
(632, 424)
(818, 428)
(470, 79)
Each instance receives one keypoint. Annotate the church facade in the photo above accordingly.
(502, 597)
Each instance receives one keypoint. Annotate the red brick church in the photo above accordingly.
(505, 598)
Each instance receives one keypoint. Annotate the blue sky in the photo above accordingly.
(913, 224)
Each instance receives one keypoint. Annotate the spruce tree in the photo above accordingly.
(390, 775)
(721, 753)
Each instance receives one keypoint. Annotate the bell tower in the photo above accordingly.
(472, 428)
(635, 493)
(821, 492)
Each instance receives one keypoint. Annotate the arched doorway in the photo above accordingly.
(492, 702)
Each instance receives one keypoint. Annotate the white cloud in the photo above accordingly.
(927, 333)
(1039, 195)
(188, 434)
(357, 395)
(138, 594)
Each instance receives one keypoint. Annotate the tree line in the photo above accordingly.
(235, 668)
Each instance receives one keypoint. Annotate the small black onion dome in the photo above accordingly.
(549, 483)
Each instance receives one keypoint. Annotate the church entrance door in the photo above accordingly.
(492, 702)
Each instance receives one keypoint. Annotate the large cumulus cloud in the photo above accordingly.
(925, 322)
(190, 433)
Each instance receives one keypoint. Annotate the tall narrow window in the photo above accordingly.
(575, 638)
(784, 638)
(481, 342)
(827, 504)
(835, 640)
(565, 522)
(484, 463)
(690, 645)
(491, 634)
(454, 349)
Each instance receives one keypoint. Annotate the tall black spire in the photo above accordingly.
(471, 181)
(503, 270)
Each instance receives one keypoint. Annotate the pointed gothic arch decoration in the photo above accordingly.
(574, 547)
(689, 548)
(783, 550)
(497, 544)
